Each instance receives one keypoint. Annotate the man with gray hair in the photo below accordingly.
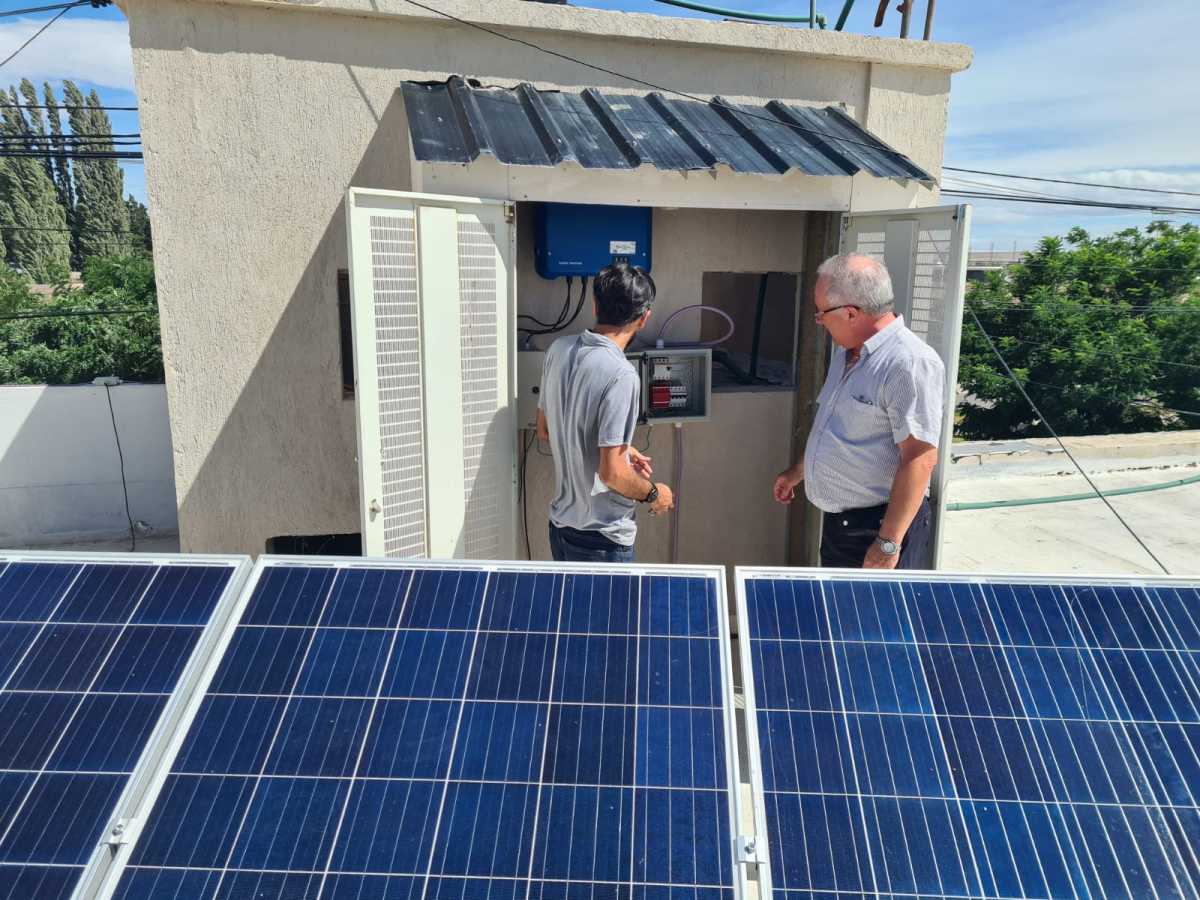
(874, 442)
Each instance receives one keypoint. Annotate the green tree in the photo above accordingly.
(37, 125)
(101, 219)
(14, 293)
(62, 166)
(139, 225)
(69, 349)
(33, 222)
(1102, 332)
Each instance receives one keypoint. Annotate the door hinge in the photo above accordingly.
(510, 211)
(119, 833)
(748, 851)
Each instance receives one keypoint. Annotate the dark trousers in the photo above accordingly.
(847, 536)
(573, 545)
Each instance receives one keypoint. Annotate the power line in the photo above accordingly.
(62, 106)
(1100, 350)
(1092, 310)
(1180, 412)
(63, 11)
(38, 9)
(121, 457)
(1165, 306)
(1092, 184)
(69, 136)
(64, 230)
(1014, 191)
(86, 145)
(1066, 201)
(1070, 456)
(70, 154)
(1029, 260)
(1063, 389)
(73, 313)
(879, 146)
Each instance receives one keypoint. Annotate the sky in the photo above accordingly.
(1093, 90)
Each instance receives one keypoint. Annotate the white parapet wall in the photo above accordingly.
(60, 474)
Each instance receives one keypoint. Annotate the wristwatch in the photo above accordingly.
(889, 548)
(653, 495)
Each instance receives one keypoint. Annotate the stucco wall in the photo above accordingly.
(60, 475)
(257, 117)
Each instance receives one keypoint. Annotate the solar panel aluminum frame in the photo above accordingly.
(144, 783)
(230, 621)
(743, 574)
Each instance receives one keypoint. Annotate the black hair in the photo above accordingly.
(623, 293)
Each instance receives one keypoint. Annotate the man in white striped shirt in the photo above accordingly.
(873, 444)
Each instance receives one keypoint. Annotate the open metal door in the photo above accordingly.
(925, 250)
(430, 300)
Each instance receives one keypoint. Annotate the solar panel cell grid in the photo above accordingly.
(950, 738)
(90, 651)
(380, 732)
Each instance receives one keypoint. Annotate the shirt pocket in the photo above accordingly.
(861, 418)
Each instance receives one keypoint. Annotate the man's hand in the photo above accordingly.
(785, 484)
(640, 463)
(877, 559)
(665, 501)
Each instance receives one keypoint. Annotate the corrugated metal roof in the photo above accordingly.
(455, 121)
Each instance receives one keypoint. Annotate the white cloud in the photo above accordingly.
(997, 215)
(1106, 90)
(1138, 178)
(82, 49)
(1085, 91)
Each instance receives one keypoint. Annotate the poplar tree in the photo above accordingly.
(33, 223)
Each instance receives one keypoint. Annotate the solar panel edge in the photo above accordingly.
(1089, 642)
(740, 854)
(713, 576)
(760, 854)
(107, 861)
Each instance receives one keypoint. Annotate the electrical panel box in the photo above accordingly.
(581, 239)
(676, 385)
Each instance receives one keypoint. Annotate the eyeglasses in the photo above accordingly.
(817, 316)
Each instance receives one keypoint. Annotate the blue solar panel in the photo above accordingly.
(940, 737)
(401, 732)
(90, 652)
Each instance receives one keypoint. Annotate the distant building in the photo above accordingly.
(980, 262)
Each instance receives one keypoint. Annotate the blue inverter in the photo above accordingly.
(581, 239)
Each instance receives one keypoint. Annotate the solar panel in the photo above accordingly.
(424, 731)
(91, 650)
(949, 736)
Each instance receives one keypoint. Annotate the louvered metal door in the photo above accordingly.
(430, 286)
(925, 250)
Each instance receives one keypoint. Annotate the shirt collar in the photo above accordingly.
(886, 335)
(596, 339)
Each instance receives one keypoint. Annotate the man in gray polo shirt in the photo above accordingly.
(587, 410)
(874, 441)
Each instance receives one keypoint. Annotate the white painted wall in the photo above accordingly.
(60, 475)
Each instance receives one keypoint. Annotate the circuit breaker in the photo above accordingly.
(676, 385)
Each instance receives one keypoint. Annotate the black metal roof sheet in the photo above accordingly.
(455, 121)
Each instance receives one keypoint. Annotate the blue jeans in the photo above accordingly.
(573, 545)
